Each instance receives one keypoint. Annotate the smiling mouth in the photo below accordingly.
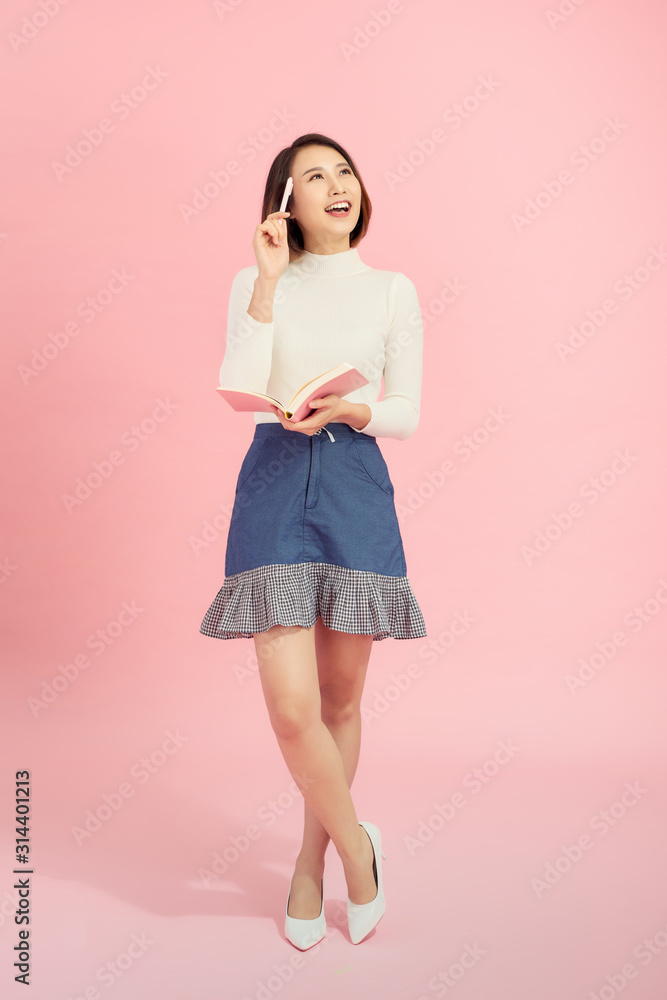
(344, 209)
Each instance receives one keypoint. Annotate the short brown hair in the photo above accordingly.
(281, 169)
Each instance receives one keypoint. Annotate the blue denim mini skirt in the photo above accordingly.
(314, 533)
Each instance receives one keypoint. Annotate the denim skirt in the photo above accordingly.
(314, 534)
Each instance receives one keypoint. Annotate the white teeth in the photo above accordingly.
(339, 204)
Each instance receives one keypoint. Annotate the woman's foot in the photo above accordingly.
(305, 901)
(360, 872)
(362, 918)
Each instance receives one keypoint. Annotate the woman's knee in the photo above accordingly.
(339, 705)
(292, 717)
(288, 672)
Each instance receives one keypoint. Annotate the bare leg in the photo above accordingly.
(342, 662)
(286, 656)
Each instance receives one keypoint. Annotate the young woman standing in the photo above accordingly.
(315, 569)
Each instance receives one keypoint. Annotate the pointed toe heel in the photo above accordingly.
(304, 934)
(363, 917)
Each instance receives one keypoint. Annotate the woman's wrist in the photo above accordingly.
(261, 303)
(357, 415)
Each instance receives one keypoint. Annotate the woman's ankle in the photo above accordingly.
(310, 862)
(354, 858)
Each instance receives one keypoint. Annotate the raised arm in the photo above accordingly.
(247, 359)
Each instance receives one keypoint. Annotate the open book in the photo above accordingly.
(340, 380)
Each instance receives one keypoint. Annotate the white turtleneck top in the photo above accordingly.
(330, 308)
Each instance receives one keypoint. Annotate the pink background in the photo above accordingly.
(151, 535)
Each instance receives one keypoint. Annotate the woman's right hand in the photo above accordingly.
(270, 246)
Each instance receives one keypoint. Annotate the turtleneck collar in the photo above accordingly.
(330, 264)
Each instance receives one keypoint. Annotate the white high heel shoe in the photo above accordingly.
(363, 917)
(304, 934)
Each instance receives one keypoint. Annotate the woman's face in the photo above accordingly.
(322, 177)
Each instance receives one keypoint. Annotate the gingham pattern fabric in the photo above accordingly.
(348, 600)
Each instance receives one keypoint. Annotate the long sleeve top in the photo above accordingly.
(330, 308)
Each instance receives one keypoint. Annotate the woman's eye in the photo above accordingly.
(345, 170)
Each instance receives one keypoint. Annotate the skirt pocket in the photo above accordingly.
(250, 462)
(371, 460)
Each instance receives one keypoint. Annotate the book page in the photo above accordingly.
(318, 378)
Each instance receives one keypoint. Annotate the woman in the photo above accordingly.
(315, 569)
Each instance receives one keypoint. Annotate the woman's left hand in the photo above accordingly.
(328, 408)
